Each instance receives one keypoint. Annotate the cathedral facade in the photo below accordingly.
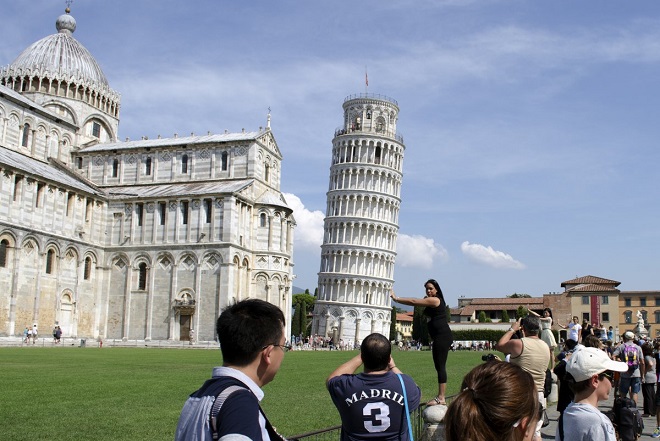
(140, 240)
(361, 222)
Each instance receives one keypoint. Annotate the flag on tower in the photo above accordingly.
(366, 77)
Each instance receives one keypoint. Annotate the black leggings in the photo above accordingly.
(441, 345)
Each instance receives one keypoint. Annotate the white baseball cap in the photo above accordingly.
(629, 335)
(587, 362)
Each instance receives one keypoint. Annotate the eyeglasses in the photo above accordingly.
(607, 374)
(285, 348)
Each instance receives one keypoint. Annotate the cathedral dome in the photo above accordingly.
(62, 56)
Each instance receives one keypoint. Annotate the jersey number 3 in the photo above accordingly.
(379, 417)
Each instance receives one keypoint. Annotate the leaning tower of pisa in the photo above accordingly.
(361, 222)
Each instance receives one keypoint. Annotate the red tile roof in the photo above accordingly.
(403, 317)
(590, 279)
(590, 287)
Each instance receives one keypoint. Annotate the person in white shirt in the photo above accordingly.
(574, 329)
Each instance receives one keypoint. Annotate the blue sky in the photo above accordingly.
(531, 132)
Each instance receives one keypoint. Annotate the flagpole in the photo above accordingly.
(366, 81)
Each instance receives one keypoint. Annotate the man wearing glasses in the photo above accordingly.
(589, 372)
(251, 334)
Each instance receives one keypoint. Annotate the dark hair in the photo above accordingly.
(375, 351)
(436, 286)
(246, 327)
(549, 311)
(570, 344)
(647, 349)
(494, 398)
(591, 341)
(532, 325)
(577, 386)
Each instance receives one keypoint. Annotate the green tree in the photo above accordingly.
(306, 298)
(521, 312)
(393, 323)
(420, 331)
(515, 295)
(301, 304)
(295, 321)
(304, 330)
(505, 315)
(482, 317)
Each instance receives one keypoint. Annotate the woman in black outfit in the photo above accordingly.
(435, 312)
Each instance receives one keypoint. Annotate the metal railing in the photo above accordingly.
(333, 433)
(373, 96)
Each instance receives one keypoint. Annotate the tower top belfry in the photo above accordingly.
(370, 113)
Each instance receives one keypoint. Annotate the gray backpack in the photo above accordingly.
(198, 417)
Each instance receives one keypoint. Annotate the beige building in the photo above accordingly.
(594, 299)
(143, 240)
(403, 326)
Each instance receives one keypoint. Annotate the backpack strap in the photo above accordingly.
(217, 405)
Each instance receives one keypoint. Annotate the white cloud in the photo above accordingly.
(488, 256)
(418, 251)
(308, 233)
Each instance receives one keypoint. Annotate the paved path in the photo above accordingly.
(548, 432)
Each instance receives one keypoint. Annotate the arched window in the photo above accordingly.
(115, 168)
(50, 258)
(184, 164)
(267, 173)
(26, 135)
(147, 167)
(142, 278)
(262, 220)
(225, 161)
(377, 159)
(88, 268)
(4, 244)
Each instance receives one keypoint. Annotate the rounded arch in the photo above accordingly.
(186, 257)
(186, 296)
(10, 236)
(59, 105)
(212, 258)
(105, 123)
(141, 257)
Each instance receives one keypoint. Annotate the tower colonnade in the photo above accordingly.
(361, 224)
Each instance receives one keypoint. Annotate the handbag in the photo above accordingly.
(405, 401)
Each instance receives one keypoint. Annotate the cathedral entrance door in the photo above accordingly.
(66, 315)
(184, 327)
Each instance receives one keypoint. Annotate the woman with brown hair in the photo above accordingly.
(497, 402)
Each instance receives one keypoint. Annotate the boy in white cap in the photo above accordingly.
(590, 377)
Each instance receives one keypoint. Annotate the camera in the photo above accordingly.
(488, 357)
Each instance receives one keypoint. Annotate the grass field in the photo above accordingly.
(137, 394)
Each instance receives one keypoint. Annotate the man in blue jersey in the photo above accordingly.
(226, 407)
(371, 404)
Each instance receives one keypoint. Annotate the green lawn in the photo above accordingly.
(137, 394)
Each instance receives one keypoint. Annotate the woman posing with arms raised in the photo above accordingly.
(435, 311)
(546, 331)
